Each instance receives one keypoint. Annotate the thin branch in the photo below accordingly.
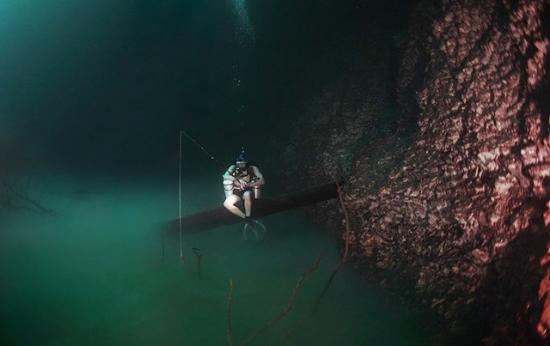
(229, 331)
(344, 258)
(198, 254)
(162, 247)
(346, 218)
(289, 305)
(12, 196)
(327, 286)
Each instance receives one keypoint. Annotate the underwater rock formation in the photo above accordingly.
(475, 186)
(462, 210)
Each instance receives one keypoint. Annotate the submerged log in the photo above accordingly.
(262, 207)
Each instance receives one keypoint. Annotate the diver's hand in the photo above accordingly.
(256, 183)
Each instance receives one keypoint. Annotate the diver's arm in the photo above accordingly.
(229, 180)
(260, 181)
(228, 175)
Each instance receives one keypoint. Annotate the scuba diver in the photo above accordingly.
(243, 181)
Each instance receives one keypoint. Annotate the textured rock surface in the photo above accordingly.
(461, 211)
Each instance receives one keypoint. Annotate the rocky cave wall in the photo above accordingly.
(460, 208)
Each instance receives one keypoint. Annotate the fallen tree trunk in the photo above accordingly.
(262, 207)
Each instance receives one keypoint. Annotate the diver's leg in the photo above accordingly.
(256, 193)
(230, 202)
(247, 195)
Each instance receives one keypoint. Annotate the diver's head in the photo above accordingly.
(241, 161)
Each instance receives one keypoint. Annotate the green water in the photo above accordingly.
(93, 274)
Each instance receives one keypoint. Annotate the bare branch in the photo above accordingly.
(289, 305)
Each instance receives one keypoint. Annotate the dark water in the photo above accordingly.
(93, 274)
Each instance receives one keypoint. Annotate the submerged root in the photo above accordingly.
(229, 329)
(12, 198)
(346, 220)
(289, 305)
(198, 254)
(345, 255)
(327, 286)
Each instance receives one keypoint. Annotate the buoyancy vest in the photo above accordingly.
(247, 171)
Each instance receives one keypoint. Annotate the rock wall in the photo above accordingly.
(462, 209)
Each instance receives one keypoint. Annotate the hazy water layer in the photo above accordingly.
(94, 274)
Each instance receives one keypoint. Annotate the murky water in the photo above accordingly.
(94, 274)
